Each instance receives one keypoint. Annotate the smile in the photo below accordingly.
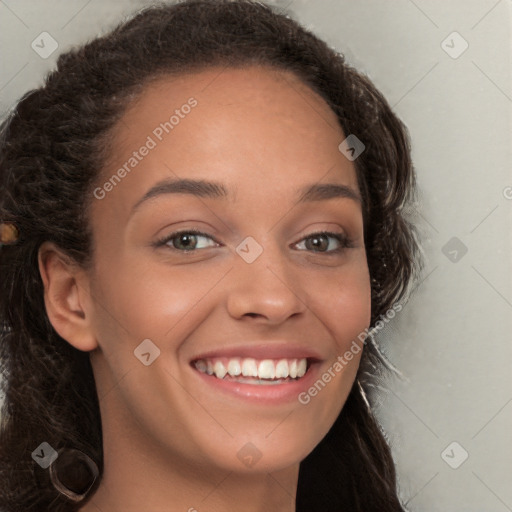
(253, 371)
(263, 373)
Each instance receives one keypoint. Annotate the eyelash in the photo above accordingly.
(344, 241)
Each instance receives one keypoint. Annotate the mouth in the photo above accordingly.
(269, 374)
(256, 372)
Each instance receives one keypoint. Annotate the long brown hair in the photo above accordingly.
(51, 148)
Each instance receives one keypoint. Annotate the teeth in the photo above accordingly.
(282, 369)
(234, 368)
(249, 368)
(293, 369)
(301, 368)
(201, 365)
(260, 382)
(266, 369)
(219, 370)
(251, 371)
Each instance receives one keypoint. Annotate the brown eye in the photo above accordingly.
(318, 243)
(321, 243)
(186, 241)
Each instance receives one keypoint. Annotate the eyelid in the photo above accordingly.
(344, 241)
(167, 238)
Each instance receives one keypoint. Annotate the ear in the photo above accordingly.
(66, 297)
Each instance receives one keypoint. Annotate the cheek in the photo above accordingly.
(149, 301)
(342, 301)
(167, 304)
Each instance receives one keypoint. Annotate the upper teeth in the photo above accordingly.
(249, 367)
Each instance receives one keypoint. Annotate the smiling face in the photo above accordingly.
(259, 290)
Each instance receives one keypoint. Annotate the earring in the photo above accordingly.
(67, 474)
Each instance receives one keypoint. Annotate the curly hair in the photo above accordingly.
(52, 146)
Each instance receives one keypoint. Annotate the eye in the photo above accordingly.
(319, 242)
(185, 241)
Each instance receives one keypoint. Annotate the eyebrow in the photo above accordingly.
(216, 190)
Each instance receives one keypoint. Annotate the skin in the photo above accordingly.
(264, 135)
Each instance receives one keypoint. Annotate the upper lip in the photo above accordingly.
(263, 350)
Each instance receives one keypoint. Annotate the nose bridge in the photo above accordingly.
(264, 283)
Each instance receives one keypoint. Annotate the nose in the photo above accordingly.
(265, 290)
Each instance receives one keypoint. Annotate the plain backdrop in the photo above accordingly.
(452, 341)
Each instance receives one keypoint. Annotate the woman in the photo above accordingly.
(202, 221)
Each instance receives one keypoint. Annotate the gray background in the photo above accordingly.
(452, 340)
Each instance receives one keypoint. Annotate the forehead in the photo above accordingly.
(251, 127)
(248, 84)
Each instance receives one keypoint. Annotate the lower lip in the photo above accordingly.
(263, 393)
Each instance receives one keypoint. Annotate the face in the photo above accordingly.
(190, 278)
